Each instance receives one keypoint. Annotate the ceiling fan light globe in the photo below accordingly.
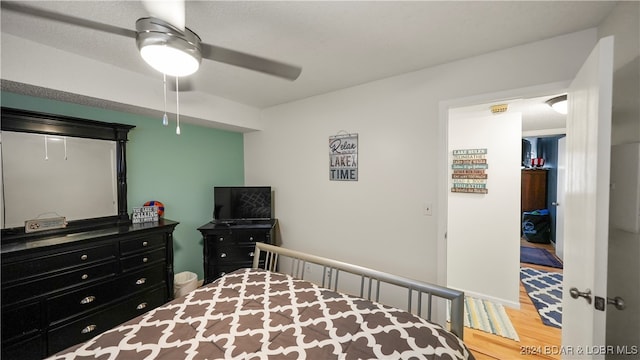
(559, 104)
(560, 107)
(167, 49)
(169, 60)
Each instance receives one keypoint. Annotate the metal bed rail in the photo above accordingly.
(369, 279)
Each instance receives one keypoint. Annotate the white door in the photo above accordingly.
(562, 178)
(587, 205)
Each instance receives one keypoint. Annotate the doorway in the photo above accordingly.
(516, 104)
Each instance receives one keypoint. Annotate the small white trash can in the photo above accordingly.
(184, 283)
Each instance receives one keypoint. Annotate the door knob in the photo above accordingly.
(575, 293)
(555, 203)
(618, 302)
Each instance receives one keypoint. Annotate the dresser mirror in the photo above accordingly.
(54, 166)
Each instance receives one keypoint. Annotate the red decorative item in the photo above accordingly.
(158, 204)
(537, 162)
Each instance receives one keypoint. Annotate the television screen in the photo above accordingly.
(242, 202)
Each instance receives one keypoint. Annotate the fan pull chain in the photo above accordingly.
(165, 119)
(177, 107)
(46, 148)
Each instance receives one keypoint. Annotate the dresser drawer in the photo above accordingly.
(82, 329)
(142, 280)
(86, 275)
(143, 302)
(17, 271)
(32, 348)
(144, 243)
(143, 259)
(79, 301)
(87, 327)
(21, 321)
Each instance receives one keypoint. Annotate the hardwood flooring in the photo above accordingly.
(537, 341)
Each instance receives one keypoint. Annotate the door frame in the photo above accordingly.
(443, 156)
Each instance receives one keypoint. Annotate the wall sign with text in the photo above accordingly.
(145, 214)
(469, 168)
(343, 157)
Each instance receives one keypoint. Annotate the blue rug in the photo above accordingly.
(545, 291)
(538, 256)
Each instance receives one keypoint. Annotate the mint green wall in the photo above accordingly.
(180, 171)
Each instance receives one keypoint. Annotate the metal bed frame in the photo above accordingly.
(369, 280)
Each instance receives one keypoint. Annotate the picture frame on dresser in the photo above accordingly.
(63, 286)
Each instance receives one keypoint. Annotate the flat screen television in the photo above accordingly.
(241, 203)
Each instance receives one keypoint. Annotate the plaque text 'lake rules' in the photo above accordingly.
(469, 171)
(343, 157)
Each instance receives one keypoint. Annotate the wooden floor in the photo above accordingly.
(537, 341)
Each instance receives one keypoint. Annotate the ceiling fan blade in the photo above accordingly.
(171, 11)
(68, 19)
(252, 62)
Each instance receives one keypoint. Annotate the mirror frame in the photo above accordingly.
(49, 124)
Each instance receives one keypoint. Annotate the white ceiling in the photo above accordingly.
(338, 44)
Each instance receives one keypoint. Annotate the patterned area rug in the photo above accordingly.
(538, 256)
(486, 316)
(545, 290)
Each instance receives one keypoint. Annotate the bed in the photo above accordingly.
(271, 311)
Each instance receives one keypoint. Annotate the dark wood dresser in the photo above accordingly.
(533, 189)
(229, 246)
(59, 291)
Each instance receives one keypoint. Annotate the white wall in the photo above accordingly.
(484, 229)
(378, 221)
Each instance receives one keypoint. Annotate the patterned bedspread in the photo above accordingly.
(256, 314)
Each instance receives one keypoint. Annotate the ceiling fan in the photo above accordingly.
(164, 35)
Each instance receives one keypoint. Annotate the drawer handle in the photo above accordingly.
(141, 281)
(84, 257)
(223, 255)
(221, 239)
(251, 254)
(87, 300)
(141, 306)
(251, 238)
(85, 276)
(145, 243)
(144, 260)
(88, 329)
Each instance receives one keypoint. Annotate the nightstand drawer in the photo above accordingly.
(58, 261)
(223, 269)
(251, 237)
(143, 259)
(235, 253)
(141, 244)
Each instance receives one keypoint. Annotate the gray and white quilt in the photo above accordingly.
(256, 314)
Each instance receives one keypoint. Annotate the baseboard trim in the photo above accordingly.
(511, 304)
